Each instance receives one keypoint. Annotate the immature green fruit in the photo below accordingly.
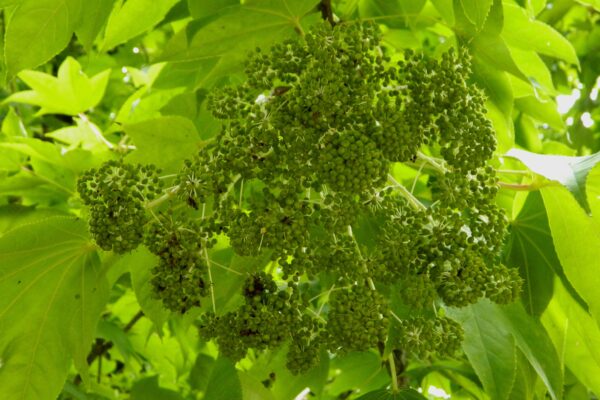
(116, 194)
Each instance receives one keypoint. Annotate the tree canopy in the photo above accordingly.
(299, 199)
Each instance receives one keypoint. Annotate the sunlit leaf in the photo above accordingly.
(71, 92)
(146, 14)
(37, 30)
(571, 172)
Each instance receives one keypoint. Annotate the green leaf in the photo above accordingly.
(477, 11)
(524, 379)
(543, 110)
(592, 185)
(223, 382)
(37, 30)
(93, 17)
(530, 248)
(489, 347)
(253, 389)
(71, 92)
(149, 389)
(537, 72)
(446, 9)
(576, 239)
(140, 263)
(164, 141)
(53, 293)
(523, 32)
(504, 127)
(82, 135)
(286, 385)
(200, 372)
(493, 50)
(204, 8)
(402, 10)
(7, 3)
(133, 18)
(533, 341)
(576, 337)
(360, 371)
(13, 216)
(571, 172)
(592, 3)
(496, 85)
(384, 394)
(229, 272)
(239, 30)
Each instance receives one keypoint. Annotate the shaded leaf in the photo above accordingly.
(361, 371)
(53, 293)
(534, 342)
(489, 347)
(223, 382)
(384, 394)
(93, 17)
(149, 389)
(530, 248)
(164, 141)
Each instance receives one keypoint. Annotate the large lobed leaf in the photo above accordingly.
(52, 294)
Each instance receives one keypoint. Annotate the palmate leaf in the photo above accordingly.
(571, 172)
(576, 238)
(530, 248)
(494, 333)
(52, 294)
(490, 349)
(576, 337)
(71, 92)
(210, 48)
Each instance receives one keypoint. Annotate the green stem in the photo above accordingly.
(364, 262)
(393, 372)
(520, 187)
(406, 194)
(436, 163)
(210, 281)
(158, 201)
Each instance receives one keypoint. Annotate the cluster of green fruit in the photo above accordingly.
(300, 167)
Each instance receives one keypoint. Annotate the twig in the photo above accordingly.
(327, 11)
(102, 346)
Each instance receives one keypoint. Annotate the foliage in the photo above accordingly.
(299, 199)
